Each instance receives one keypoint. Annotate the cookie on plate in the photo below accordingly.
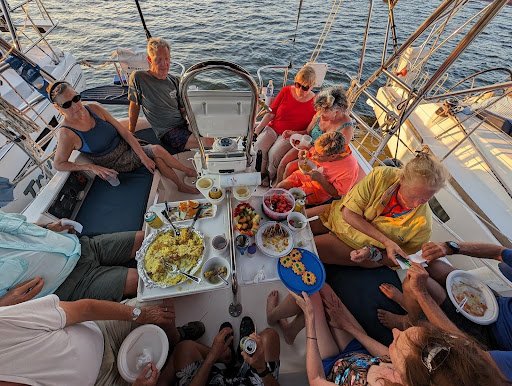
(286, 261)
(298, 267)
(309, 278)
(295, 255)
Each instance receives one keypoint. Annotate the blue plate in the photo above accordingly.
(294, 282)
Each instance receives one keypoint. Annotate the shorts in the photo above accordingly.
(353, 347)
(482, 334)
(99, 273)
(246, 375)
(177, 138)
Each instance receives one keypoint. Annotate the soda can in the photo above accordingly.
(153, 220)
(299, 205)
(248, 345)
(215, 193)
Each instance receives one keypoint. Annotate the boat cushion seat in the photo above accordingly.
(358, 289)
(149, 136)
(109, 209)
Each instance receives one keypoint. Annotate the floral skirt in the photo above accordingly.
(123, 158)
(246, 375)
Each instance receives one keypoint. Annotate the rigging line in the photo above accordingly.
(325, 32)
(148, 35)
(290, 65)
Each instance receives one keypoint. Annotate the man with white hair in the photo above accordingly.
(157, 92)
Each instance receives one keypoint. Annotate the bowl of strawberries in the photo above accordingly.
(278, 204)
(246, 220)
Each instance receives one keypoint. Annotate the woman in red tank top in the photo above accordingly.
(292, 111)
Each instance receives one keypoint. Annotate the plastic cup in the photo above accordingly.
(220, 243)
(242, 243)
(114, 181)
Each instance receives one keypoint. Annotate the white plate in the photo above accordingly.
(270, 250)
(491, 314)
(148, 337)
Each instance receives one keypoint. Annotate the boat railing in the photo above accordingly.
(100, 64)
(33, 30)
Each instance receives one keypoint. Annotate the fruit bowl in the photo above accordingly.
(278, 204)
(246, 220)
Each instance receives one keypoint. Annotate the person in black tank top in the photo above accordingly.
(112, 148)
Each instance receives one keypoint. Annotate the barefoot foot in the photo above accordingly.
(359, 255)
(393, 293)
(189, 172)
(187, 189)
(390, 320)
(272, 301)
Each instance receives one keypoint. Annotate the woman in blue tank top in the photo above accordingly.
(331, 105)
(112, 148)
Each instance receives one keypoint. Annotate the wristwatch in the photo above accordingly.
(265, 372)
(454, 247)
(135, 313)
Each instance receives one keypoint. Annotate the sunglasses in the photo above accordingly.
(434, 356)
(304, 88)
(76, 99)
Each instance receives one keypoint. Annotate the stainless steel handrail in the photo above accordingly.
(213, 65)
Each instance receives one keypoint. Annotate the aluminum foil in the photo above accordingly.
(141, 254)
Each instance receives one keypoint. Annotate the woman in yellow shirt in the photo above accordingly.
(385, 214)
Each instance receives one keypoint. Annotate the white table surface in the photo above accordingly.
(248, 266)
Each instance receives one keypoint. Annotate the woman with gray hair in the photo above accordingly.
(331, 105)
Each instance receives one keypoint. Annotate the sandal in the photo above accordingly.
(231, 346)
(191, 331)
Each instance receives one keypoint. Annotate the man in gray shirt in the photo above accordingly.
(157, 92)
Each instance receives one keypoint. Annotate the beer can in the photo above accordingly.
(299, 205)
(215, 193)
(153, 220)
(248, 345)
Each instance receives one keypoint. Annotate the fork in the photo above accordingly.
(174, 269)
(462, 304)
(177, 232)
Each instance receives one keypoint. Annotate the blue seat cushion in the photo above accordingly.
(358, 289)
(149, 136)
(109, 209)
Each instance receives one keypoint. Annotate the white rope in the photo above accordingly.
(325, 32)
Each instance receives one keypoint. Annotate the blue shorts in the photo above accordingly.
(352, 347)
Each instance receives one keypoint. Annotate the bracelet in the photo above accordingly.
(309, 337)
(375, 254)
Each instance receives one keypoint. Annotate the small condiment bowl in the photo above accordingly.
(296, 221)
(213, 263)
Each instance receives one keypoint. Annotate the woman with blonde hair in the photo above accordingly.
(331, 105)
(384, 215)
(292, 111)
(92, 130)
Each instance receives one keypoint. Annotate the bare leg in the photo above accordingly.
(172, 162)
(287, 159)
(290, 168)
(188, 352)
(169, 173)
(288, 307)
(439, 270)
(291, 330)
(317, 227)
(271, 345)
(193, 144)
(132, 280)
(137, 242)
(332, 250)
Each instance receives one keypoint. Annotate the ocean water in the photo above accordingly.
(257, 33)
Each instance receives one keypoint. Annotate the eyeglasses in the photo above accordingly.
(434, 356)
(304, 88)
(76, 99)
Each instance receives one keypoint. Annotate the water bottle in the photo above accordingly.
(269, 96)
(270, 89)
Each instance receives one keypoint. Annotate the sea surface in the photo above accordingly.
(253, 34)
